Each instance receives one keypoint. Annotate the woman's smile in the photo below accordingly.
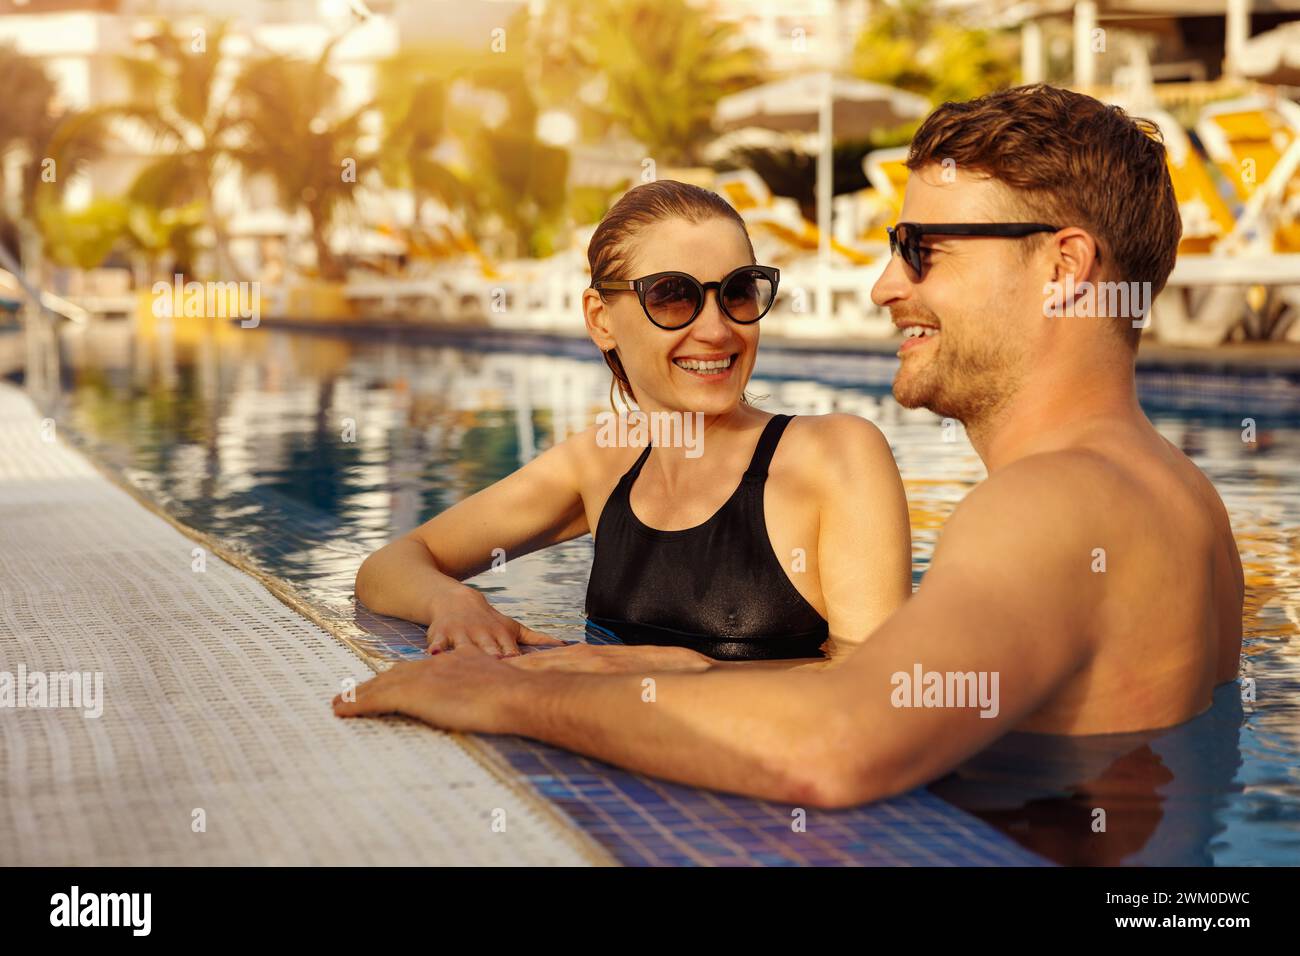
(715, 367)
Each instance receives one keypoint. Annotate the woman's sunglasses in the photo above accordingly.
(905, 238)
(672, 300)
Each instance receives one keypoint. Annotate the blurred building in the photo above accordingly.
(1194, 40)
(796, 33)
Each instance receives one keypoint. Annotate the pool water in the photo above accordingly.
(305, 451)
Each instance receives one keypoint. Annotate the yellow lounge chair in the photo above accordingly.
(778, 216)
(1252, 140)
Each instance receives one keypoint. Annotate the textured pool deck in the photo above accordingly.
(216, 744)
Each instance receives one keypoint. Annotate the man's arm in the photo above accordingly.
(1008, 593)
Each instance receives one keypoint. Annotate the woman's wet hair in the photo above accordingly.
(610, 252)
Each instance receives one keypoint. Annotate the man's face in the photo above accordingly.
(977, 300)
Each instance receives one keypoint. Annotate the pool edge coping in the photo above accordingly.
(585, 844)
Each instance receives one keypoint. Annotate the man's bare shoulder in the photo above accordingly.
(1052, 496)
(1024, 544)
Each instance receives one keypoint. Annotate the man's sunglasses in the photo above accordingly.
(672, 300)
(905, 238)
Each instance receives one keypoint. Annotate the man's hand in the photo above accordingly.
(466, 690)
(614, 659)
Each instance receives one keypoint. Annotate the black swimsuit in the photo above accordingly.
(717, 588)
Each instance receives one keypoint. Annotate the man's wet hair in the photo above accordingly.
(1069, 160)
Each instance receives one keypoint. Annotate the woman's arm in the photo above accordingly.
(864, 547)
(417, 576)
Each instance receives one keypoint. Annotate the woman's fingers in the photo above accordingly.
(580, 656)
(683, 658)
(576, 657)
(497, 642)
(501, 639)
(487, 629)
(528, 636)
(615, 659)
(481, 639)
(484, 641)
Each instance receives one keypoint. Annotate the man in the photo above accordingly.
(1090, 585)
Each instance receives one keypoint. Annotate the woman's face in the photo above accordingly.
(662, 365)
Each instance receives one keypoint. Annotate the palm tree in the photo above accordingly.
(177, 94)
(84, 238)
(913, 47)
(507, 184)
(412, 101)
(654, 69)
(52, 144)
(293, 130)
(512, 177)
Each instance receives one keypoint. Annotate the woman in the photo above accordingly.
(812, 543)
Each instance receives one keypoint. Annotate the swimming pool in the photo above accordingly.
(306, 451)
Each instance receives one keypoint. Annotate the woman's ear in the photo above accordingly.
(596, 315)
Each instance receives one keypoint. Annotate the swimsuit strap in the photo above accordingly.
(767, 446)
(757, 465)
(634, 472)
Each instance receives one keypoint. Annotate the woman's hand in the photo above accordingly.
(462, 617)
(614, 659)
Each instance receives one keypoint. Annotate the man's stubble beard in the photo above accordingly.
(963, 380)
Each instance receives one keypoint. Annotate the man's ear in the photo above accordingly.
(596, 315)
(1076, 254)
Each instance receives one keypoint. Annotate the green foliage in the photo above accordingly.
(653, 69)
(84, 238)
(913, 47)
(412, 103)
(46, 144)
(511, 176)
(481, 111)
(458, 125)
(165, 232)
(173, 86)
(292, 129)
(587, 204)
(174, 96)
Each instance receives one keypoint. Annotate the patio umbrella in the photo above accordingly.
(795, 104)
(828, 104)
(1274, 56)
